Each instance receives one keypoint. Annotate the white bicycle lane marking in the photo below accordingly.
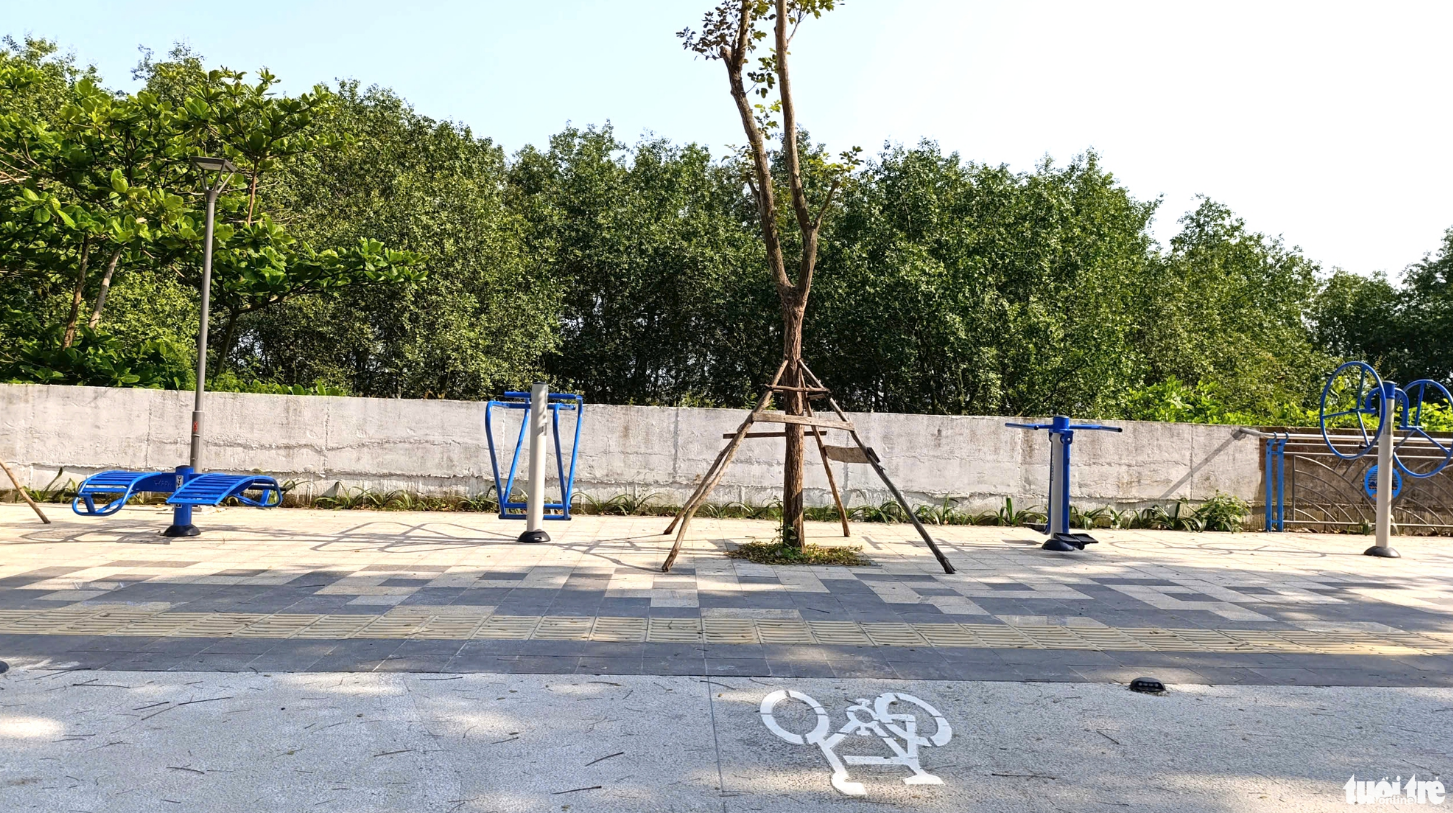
(898, 731)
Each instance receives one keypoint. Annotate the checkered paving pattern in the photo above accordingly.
(336, 589)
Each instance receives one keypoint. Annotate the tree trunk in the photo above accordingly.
(251, 196)
(77, 295)
(105, 288)
(229, 335)
(793, 531)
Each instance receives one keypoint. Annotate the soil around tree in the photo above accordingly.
(781, 553)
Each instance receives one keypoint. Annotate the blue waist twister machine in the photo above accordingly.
(1061, 434)
(533, 509)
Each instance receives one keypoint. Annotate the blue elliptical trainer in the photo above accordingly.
(1061, 434)
(188, 485)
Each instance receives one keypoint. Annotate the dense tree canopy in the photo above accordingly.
(367, 249)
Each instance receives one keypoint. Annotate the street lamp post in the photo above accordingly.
(182, 514)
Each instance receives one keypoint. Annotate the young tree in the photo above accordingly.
(731, 33)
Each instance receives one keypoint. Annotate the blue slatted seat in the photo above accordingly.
(122, 485)
(213, 487)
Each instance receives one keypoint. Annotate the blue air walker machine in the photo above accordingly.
(542, 414)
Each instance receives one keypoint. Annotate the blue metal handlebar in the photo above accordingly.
(1062, 424)
(564, 399)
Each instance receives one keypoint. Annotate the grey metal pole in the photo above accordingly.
(196, 457)
(1058, 522)
(535, 490)
(1385, 466)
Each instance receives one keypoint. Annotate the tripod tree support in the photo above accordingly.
(859, 453)
(24, 494)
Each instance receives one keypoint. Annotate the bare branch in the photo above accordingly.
(817, 221)
(789, 130)
(761, 167)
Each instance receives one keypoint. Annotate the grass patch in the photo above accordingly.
(780, 553)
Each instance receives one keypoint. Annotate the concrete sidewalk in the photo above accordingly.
(132, 741)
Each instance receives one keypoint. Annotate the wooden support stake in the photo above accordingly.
(722, 453)
(801, 420)
(689, 510)
(831, 481)
(897, 495)
(812, 392)
(24, 494)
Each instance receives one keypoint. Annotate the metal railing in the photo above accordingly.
(1305, 486)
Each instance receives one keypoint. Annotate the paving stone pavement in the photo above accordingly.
(303, 591)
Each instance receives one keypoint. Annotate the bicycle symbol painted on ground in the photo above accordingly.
(898, 731)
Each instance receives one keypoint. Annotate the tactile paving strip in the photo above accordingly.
(508, 627)
(564, 628)
(777, 631)
(730, 631)
(620, 630)
(673, 630)
(461, 623)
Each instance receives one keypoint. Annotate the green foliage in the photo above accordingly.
(55, 491)
(366, 249)
(1227, 311)
(1223, 512)
(1208, 401)
(230, 381)
(97, 188)
(485, 314)
(1405, 331)
(357, 499)
(97, 360)
(663, 300)
(738, 510)
(622, 505)
(960, 288)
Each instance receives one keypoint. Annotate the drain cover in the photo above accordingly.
(1147, 685)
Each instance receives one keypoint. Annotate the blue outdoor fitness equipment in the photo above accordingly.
(504, 489)
(1276, 469)
(1061, 434)
(188, 486)
(1369, 483)
(1355, 389)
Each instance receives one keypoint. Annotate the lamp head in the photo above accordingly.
(206, 164)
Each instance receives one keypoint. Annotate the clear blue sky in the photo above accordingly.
(1326, 122)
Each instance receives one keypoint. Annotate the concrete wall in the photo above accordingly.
(439, 446)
